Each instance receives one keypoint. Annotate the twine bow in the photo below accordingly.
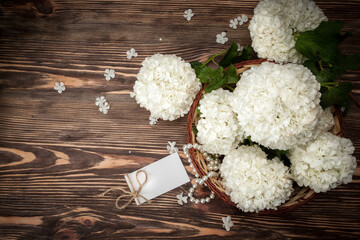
(133, 195)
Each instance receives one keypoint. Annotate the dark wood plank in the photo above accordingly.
(58, 152)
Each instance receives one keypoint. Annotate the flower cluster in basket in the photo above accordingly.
(268, 119)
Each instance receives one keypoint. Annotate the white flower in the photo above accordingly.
(131, 53)
(240, 48)
(253, 182)
(188, 14)
(221, 38)
(103, 105)
(100, 101)
(233, 23)
(227, 223)
(324, 163)
(274, 23)
(240, 20)
(278, 105)
(104, 108)
(166, 86)
(171, 147)
(132, 94)
(153, 120)
(244, 18)
(60, 87)
(109, 73)
(182, 199)
(218, 131)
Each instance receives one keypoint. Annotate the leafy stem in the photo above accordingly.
(329, 84)
(212, 58)
(250, 141)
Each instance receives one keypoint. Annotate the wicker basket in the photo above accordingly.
(300, 195)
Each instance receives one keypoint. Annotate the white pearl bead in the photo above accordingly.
(201, 182)
(207, 199)
(197, 175)
(189, 145)
(205, 178)
(210, 174)
(191, 190)
(197, 180)
(212, 195)
(205, 184)
(208, 158)
(189, 160)
(216, 167)
(192, 199)
(194, 170)
(211, 168)
(202, 201)
(212, 163)
(195, 146)
(197, 201)
(191, 165)
(190, 194)
(205, 154)
(194, 185)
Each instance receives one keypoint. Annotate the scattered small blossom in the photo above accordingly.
(227, 223)
(240, 48)
(244, 18)
(233, 23)
(104, 108)
(171, 147)
(60, 87)
(131, 53)
(188, 14)
(100, 101)
(153, 120)
(129, 151)
(274, 23)
(109, 74)
(221, 38)
(324, 163)
(103, 105)
(253, 182)
(240, 20)
(160, 39)
(166, 85)
(182, 199)
(278, 105)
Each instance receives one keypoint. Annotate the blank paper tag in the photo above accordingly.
(162, 176)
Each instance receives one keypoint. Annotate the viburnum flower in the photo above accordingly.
(227, 223)
(253, 182)
(279, 105)
(131, 53)
(221, 38)
(188, 14)
(171, 147)
(109, 73)
(274, 24)
(166, 86)
(60, 87)
(181, 199)
(218, 130)
(233, 23)
(324, 163)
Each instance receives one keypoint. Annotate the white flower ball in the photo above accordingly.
(324, 163)
(218, 130)
(278, 105)
(253, 182)
(166, 86)
(274, 24)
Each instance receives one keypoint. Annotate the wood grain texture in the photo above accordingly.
(58, 152)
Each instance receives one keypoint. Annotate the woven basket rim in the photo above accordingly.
(305, 193)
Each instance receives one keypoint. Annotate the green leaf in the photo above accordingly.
(245, 55)
(230, 54)
(311, 66)
(321, 42)
(337, 95)
(208, 74)
(345, 63)
(196, 66)
(195, 130)
(231, 75)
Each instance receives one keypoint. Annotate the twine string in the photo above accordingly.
(133, 195)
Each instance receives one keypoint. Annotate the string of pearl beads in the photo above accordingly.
(213, 166)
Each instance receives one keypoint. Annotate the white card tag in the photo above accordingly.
(162, 176)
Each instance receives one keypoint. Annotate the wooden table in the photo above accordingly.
(58, 152)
